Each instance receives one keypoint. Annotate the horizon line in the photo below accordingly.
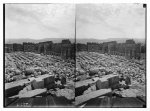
(74, 38)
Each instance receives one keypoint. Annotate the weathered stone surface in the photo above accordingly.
(29, 71)
(81, 72)
(93, 71)
(86, 82)
(113, 80)
(67, 93)
(12, 89)
(37, 84)
(102, 84)
(48, 79)
(98, 84)
(32, 93)
(90, 89)
(17, 72)
(83, 98)
(80, 90)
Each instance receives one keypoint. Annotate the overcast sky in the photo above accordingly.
(38, 21)
(99, 21)
(103, 21)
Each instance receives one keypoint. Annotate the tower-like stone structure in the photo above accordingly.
(66, 49)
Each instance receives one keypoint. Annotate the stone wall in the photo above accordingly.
(129, 49)
(28, 47)
(8, 48)
(45, 47)
(81, 47)
(94, 47)
(17, 47)
(66, 49)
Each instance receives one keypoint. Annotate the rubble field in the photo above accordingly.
(42, 77)
(93, 80)
(101, 73)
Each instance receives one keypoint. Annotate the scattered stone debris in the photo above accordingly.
(101, 78)
(40, 76)
(123, 76)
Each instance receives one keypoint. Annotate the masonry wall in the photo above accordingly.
(28, 47)
(81, 47)
(8, 48)
(129, 49)
(67, 50)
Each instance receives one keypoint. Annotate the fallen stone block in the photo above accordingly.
(13, 88)
(17, 72)
(37, 84)
(48, 79)
(129, 93)
(51, 86)
(83, 77)
(81, 72)
(13, 91)
(67, 93)
(15, 84)
(86, 82)
(105, 83)
(93, 71)
(31, 79)
(102, 84)
(90, 89)
(113, 80)
(29, 71)
(32, 93)
(98, 84)
(83, 98)
(81, 86)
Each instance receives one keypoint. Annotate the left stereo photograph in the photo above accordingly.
(39, 51)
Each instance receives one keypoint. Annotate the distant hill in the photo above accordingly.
(84, 41)
(55, 40)
(119, 40)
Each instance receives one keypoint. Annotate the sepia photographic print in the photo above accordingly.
(75, 55)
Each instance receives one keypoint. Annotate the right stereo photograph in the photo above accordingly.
(110, 55)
